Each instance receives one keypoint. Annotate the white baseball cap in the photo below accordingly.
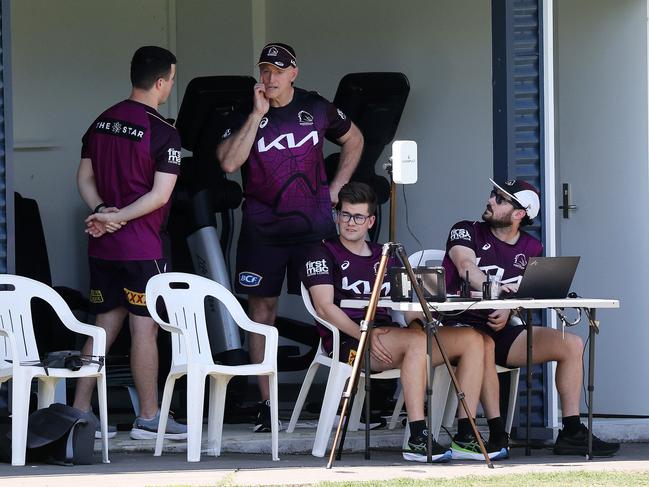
(523, 193)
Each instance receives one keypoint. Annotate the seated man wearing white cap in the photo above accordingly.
(497, 246)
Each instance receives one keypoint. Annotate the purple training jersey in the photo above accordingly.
(351, 275)
(493, 256)
(127, 144)
(285, 184)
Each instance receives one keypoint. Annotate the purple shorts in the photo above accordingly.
(121, 283)
(261, 267)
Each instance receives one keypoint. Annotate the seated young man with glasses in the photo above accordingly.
(497, 246)
(345, 268)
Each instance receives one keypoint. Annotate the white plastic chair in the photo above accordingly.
(338, 374)
(444, 397)
(18, 348)
(184, 298)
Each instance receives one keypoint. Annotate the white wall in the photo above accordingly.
(601, 80)
(213, 38)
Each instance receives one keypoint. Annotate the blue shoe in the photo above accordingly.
(500, 445)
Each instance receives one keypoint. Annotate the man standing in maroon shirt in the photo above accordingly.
(130, 160)
(288, 200)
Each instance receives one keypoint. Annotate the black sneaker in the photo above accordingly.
(500, 444)
(468, 448)
(416, 451)
(262, 423)
(577, 444)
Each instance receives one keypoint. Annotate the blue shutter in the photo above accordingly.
(517, 131)
(6, 191)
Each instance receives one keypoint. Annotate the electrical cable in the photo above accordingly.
(412, 234)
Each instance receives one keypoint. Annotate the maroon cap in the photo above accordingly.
(279, 55)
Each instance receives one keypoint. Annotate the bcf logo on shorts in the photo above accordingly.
(249, 279)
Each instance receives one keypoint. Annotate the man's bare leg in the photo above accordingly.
(144, 363)
(111, 322)
(550, 344)
(490, 393)
(262, 310)
(408, 350)
(464, 346)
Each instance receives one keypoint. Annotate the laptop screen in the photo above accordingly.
(547, 277)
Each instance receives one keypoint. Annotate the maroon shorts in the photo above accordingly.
(261, 267)
(121, 283)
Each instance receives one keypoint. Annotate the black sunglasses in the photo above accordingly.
(500, 198)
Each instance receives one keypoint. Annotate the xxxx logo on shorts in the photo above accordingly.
(96, 296)
(352, 357)
(137, 299)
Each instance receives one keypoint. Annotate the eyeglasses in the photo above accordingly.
(500, 198)
(358, 218)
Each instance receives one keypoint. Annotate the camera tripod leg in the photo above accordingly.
(362, 349)
(368, 390)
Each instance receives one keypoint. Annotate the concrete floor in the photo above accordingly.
(136, 469)
(246, 461)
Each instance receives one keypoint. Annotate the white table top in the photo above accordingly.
(488, 304)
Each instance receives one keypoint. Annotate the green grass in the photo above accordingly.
(563, 479)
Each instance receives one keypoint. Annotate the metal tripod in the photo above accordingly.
(431, 331)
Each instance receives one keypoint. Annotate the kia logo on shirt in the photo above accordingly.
(287, 141)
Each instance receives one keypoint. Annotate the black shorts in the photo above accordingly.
(121, 283)
(348, 350)
(503, 340)
(261, 267)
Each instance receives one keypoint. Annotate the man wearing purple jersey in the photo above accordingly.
(288, 200)
(345, 268)
(130, 159)
(497, 246)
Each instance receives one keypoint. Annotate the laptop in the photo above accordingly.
(547, 278)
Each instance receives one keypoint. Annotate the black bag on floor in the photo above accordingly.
(58, 434)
